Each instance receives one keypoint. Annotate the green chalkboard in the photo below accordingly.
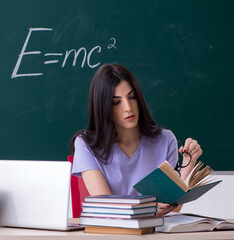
(180, 51)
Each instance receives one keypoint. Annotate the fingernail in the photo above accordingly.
(185, 150)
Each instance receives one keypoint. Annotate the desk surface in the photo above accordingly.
(21, 233)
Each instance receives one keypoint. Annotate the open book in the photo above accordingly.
(166, 184)
(178, 222)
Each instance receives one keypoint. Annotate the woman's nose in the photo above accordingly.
(127, 106)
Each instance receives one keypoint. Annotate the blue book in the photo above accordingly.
(120, 199)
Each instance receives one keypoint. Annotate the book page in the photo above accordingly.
(224, 225)
(173, 175)
(218, 223)
(184, 223)
(198, 176)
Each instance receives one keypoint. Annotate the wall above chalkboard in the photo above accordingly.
(180, 51)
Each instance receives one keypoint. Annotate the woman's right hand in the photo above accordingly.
(163, 208)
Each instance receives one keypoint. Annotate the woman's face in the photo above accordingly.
(125, 112)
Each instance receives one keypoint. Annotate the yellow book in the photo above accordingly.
(116, 230)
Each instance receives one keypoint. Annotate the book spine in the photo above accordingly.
(125, 231)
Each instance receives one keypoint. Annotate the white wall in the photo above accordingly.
(218, 202)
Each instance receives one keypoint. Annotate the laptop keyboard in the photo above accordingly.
(74, 225)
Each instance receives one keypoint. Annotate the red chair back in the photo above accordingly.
(78, 192)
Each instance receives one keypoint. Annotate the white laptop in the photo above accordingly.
(35, 194)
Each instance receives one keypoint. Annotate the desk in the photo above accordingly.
(20, 234)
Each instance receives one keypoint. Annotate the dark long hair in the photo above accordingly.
(100, 133)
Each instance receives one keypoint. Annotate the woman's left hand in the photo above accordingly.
(192, 147)
(163, 209)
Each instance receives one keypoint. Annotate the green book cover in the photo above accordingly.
(167, 191)
(159, 184)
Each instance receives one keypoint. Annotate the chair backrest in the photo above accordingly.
(78, 192)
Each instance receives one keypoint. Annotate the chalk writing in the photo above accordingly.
(87, 55)
(52, 54)
(15, 71)
(113, 44)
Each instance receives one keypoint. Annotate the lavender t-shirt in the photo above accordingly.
(122, 173)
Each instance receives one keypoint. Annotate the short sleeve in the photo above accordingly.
(83, 159)
(172, 155)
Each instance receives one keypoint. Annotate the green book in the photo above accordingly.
(173, 191)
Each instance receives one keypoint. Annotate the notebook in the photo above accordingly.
(35, 194)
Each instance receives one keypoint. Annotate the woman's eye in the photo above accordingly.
(132, 96)
(116, 102)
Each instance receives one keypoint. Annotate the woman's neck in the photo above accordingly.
(128, 136)
(128, 140)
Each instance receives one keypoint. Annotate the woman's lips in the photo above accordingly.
(129, 118)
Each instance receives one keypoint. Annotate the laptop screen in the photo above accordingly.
(34, 194)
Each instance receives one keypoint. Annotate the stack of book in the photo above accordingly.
(120, 214)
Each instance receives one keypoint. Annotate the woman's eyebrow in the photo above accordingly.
(127, 94)
(131, 91)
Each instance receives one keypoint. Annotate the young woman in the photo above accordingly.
(122, 143)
